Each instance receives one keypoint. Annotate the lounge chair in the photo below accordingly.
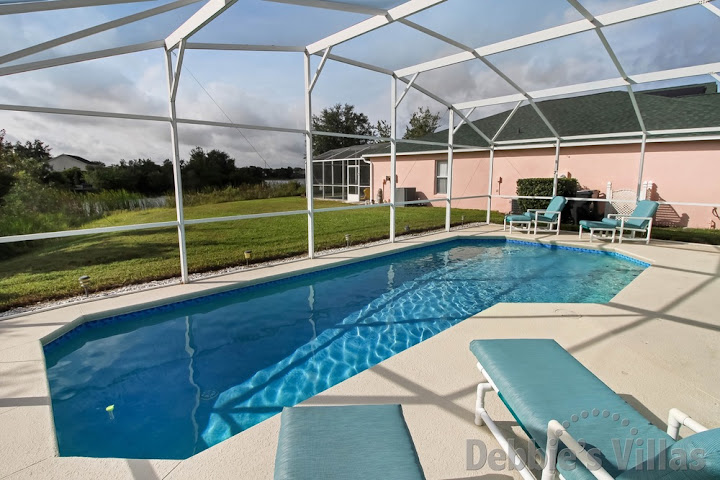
(562, 406)
(640, 220)
(550, 216)
(346, 442)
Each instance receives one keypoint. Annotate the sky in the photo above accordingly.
(267, 88)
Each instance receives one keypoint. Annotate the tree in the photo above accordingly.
(422, 122)
(340, 119)
(383, 129)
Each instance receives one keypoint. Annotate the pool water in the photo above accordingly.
(189, 375)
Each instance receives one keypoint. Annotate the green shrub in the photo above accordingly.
(543, 187)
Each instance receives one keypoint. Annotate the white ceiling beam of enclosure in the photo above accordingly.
(41, 6)
(711, 7)
(487, 63)
(406, 9)
(40, 47)
(198, 20)
(342, 7)
(611, 53)
(698, 70)
(82, 57)
(612, 18)
(244, 47)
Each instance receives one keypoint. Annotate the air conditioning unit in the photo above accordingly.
(405, 194)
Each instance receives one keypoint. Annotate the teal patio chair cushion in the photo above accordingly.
(345, 442)
(696, 457)
(644, 208)
(517, 218)
(539, 381)
(612, 222)
(556, 205)
(588, 224)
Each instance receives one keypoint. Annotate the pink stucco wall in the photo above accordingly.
(680, 172)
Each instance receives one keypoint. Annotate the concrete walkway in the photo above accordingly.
(657, 344)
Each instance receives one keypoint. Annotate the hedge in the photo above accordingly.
(543, 187)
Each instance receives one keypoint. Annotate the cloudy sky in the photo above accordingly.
(267, 88)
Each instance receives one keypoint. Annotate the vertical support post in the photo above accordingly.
(490, 184)
(451, 132)
(642, 167)
(393, 153)
(557, 166)
(173, 79)
(308, 158)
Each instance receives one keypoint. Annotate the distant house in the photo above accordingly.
(65, 162)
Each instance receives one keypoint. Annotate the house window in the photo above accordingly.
(441, 176)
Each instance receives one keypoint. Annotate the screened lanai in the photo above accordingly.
(112, 78)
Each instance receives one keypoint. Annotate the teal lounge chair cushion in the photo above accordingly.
(696, 457)
(556, 205)
(644, 208)
(539, 381)
(611, 222)
(588, 224)
(345, 442)
(517, 218)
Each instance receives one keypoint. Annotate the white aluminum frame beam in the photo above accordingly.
(339, 6)
(406, 9)
(393, 153)
(42, 6)
(611, 53)
(82, 57)
(319, 69)
(309, 194)
(82, 113)
(607, 19)
(41, 47)
(672, 74)
(198, 20)
(173, 76)
(451, 134)
(507, 120)
(244, 47)
(462, 122)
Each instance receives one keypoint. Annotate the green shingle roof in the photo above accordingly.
(607, 112)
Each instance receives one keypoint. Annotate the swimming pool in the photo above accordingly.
(186, 376)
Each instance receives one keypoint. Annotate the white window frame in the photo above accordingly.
(439, 177)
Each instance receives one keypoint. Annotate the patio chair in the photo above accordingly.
(346, 442)
(640, 220)
(577, 423)
(550, 215)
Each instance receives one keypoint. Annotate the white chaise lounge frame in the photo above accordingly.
(623, 218)
(549, 228)
(599, 229)
(676, 419)
(521, 229)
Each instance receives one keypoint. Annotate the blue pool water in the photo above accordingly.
(187, 376)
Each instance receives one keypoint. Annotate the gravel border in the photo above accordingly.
(138, 287)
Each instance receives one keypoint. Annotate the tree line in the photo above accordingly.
(24, 163)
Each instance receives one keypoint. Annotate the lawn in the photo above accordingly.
(50, 270)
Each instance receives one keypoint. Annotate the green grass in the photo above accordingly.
(51, 269)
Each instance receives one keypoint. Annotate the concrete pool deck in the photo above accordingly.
(656, 343)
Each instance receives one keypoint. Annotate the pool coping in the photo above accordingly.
(43, 326)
